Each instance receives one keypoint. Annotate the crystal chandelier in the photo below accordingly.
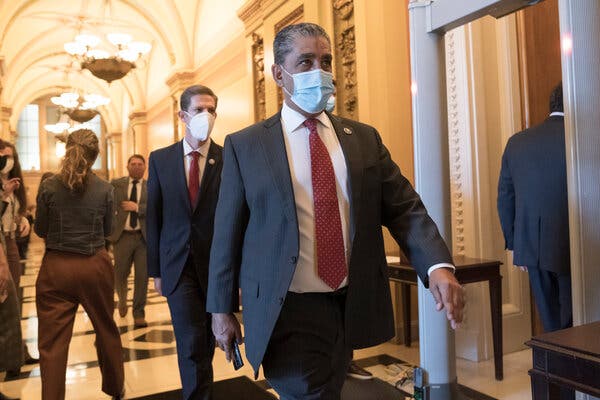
(80, 108)
(62, 129)
(101, 63)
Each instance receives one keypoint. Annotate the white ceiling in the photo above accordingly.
(32, 34)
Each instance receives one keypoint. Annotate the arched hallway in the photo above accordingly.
(486, 93)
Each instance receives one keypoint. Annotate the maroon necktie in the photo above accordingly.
(331, 258)
(194, 180)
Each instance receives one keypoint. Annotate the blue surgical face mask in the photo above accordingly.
(312, 89)
(330, 106)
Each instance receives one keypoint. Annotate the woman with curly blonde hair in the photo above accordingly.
(74, 214)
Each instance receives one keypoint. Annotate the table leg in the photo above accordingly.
(406, 312)
(495, 286)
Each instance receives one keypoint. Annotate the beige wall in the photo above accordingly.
(160, 126)
(383, 70)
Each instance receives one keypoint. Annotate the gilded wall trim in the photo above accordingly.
(345, 48)
(258, 72)
(291, 18)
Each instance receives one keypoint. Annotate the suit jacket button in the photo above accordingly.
(293, 259)
(280, 300)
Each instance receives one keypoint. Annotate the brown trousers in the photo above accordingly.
(65, 281)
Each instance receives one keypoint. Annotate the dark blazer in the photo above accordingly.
(532, 197)
(74, 222)
(121, 186)
(174, 228)
(256, 232)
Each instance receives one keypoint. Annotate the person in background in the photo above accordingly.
(23, 241)
(298, 226)
(183, 185)
(129, 238)
(534, 213)
(14, 222)
(74, 216)
(10, 322)
(14, 225)
(11, 341)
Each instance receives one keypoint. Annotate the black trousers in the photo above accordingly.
(307, 356)
(552, 294)
(193, 333)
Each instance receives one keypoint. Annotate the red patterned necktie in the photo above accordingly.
(194, 179)
(331, 258)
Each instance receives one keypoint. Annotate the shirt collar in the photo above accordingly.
(557, 114)
(131, 180)
(293, 120)
(203, 150)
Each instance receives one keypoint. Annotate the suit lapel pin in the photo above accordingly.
(347, 131)
(211, 161)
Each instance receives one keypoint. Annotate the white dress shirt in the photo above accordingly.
(137, 200)
(296, 137)
(187, 159)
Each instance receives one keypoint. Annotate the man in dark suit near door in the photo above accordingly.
(303, 198)
(183, 184)
(129, 238)
(534, 214)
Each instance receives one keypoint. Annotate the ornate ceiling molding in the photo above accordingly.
(180, 80)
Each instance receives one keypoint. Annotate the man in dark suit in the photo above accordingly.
(298, 224)
(183, 185)
(533, 210)
(129, 238)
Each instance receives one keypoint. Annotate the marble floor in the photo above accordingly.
(151, 361)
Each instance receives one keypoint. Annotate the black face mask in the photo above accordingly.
(3, 161)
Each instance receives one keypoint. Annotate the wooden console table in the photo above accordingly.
(468, 270)
(565, 360)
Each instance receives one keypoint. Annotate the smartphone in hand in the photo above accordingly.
(238, 362)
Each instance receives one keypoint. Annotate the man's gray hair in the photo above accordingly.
(284, 40)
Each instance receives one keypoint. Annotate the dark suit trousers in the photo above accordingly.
(193, 333)
(65, 281)
(131, 249)
(552, 294)
(307, 357)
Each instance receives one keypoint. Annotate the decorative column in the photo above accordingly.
(115, 165)
(177, 83)
(5, 113)
(344, 43)
(580, 33)
(258, 75)
(138, 127)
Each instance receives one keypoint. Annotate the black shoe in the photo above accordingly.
(357, 372)
(139, 322)
(31, 360)
(12, 374)
(5, 397)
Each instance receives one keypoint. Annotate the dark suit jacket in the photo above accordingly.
(256, 232)
(532, 197)
(121, 186)
(174, 229)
